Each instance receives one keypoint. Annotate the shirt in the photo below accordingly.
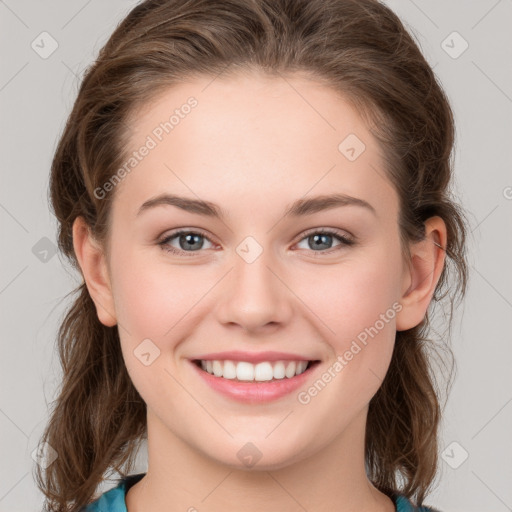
(114, 499)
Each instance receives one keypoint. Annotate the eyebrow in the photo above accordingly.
(301, 207)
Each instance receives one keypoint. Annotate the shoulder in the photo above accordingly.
(113, 500)
(403, 504)
(109, 501)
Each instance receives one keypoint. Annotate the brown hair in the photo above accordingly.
(356, 47)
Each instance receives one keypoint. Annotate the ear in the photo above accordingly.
(422, 274)
(94, 269)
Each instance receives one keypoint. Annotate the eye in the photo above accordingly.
(186, 240)
(319, 238)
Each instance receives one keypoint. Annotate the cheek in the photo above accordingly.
(352, 296)
(151, 297)
(152, 302)
(357, 303)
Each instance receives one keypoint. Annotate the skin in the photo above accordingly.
(239, 148)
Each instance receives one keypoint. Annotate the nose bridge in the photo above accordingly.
(252, 270)
(253, 295)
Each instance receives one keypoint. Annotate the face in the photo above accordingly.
(313, 284)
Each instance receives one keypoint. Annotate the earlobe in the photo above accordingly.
(422, 274)
(91, 259)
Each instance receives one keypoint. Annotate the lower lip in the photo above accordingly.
(255, 392)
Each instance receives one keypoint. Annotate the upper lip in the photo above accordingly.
(253, 357)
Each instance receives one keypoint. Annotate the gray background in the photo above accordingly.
(36, 95)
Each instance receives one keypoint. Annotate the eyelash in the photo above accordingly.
(345, 241)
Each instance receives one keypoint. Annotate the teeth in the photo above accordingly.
(260, 372)
(229, 370)
(218, 368)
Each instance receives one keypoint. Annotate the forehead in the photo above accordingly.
(271, 139)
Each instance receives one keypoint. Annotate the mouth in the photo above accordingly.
(265, 371)
(255, 383)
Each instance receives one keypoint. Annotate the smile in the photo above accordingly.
(255, 382)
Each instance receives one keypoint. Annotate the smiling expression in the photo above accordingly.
(222, 239)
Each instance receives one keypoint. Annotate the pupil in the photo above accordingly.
(188, 237)
(316, 239)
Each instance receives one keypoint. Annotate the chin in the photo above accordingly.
(255, 456)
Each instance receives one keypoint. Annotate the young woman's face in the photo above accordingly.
(257, 279)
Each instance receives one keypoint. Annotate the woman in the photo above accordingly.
(213, 149)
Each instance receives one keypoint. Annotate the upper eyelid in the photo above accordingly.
(179, 231)
(331, 231)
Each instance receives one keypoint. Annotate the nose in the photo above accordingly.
(254, 296)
